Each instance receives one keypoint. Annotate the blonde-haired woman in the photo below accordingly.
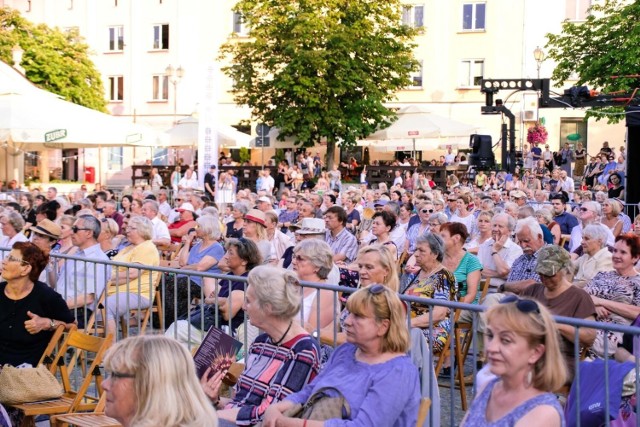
(372, 370)
(376, 264)
(523, 351)
(108, 233)
(610, 211)
(280, 361)
(137, 367)
(280, 242)
(255, 228)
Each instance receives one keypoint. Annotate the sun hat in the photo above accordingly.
(48, 228)
(257, 216)
(312, 226)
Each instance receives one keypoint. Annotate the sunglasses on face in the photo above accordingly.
(524, 305)
(75, 229)
(426, 210)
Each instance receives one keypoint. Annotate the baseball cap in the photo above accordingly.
(552, 259)
(312, 226)
(264, 199)
(186, 207)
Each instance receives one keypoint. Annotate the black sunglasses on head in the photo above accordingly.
(524, 305)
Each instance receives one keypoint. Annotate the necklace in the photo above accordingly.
(285, 334)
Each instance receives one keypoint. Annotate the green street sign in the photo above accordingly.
(55, 135)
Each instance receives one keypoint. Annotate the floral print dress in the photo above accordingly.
(441, 285)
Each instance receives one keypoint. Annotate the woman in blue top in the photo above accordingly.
(523, 352)
(372, 370)
(202, 257)
(465, 266)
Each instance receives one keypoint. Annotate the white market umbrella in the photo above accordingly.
(424, 129)
(36, 120)
(185, 134)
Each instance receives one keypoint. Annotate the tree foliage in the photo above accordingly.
(54, 60)
(321, 68)
(604, 51)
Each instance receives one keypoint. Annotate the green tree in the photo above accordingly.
(602, 51)
(321, 69)
(54, 60)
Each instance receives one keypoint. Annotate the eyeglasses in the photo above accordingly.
(104, 220)
(75, 229)
(376, 289)
(299, 258)
(115, 375)
(11, 258)
(524, 305)
(427, 210)
(584, 210)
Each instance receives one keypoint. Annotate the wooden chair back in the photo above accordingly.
(49, 353)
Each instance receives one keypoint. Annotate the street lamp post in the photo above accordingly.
(539, 56)
(174, 76)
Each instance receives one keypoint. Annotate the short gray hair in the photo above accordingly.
(241, 207)
(15, 220)
(155, 207)
(545, 214)
(143, 226)
(594, 206)
(319, 254)
(531, 224)
(92, 223)
(439, 216)
(511, 222)
(277, 288)
(210, 226)
(435, 242)
(596, 232)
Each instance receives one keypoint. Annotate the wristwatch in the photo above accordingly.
(52, 323)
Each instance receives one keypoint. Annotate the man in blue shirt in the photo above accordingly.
(564, 219)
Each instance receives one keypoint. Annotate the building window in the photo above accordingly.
(115, 160)
(116, 38)
(473, 16)
(577, 10)
(571, 125)
(116, 88)
(471, 72)
(160, 87)
(416, 77)
(239, 25)
(413, 16)
(161, 36)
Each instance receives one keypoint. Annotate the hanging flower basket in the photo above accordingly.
(537, 134)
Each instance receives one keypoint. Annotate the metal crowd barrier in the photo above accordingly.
(452, 419)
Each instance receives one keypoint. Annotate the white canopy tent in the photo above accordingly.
(185, 134)
(417, 130)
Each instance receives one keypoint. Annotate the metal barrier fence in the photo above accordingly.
(99, 270)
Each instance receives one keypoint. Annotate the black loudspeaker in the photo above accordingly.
(482, 156)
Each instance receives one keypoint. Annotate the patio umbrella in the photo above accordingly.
(35, 120)
(424, 129)
(185, 134)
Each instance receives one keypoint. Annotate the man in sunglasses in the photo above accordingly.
(590, 213)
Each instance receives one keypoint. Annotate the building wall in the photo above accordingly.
(197, 28)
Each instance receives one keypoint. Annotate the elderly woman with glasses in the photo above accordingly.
(137, 367)
(595, 258)
(313, 261)
(432, 280)
(12, 225)
(30, 310)
(279, 362)
(131, 287)
(366, 368)
(523, 351)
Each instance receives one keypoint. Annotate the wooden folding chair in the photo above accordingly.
(72, 400)
(453, 339)
(49, 353)
(87, 419)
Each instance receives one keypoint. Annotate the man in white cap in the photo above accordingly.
(185, 222)
(264, 203)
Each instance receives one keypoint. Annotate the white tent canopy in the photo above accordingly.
(417, 129)
(185, 134)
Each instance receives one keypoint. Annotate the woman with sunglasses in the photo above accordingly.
(30, 309)
(372, 370)
(523, 352)
(615, 292)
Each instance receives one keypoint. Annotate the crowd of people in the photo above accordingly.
(540, 246)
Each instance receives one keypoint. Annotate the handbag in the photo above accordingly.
(321, 406)
(24, 385)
